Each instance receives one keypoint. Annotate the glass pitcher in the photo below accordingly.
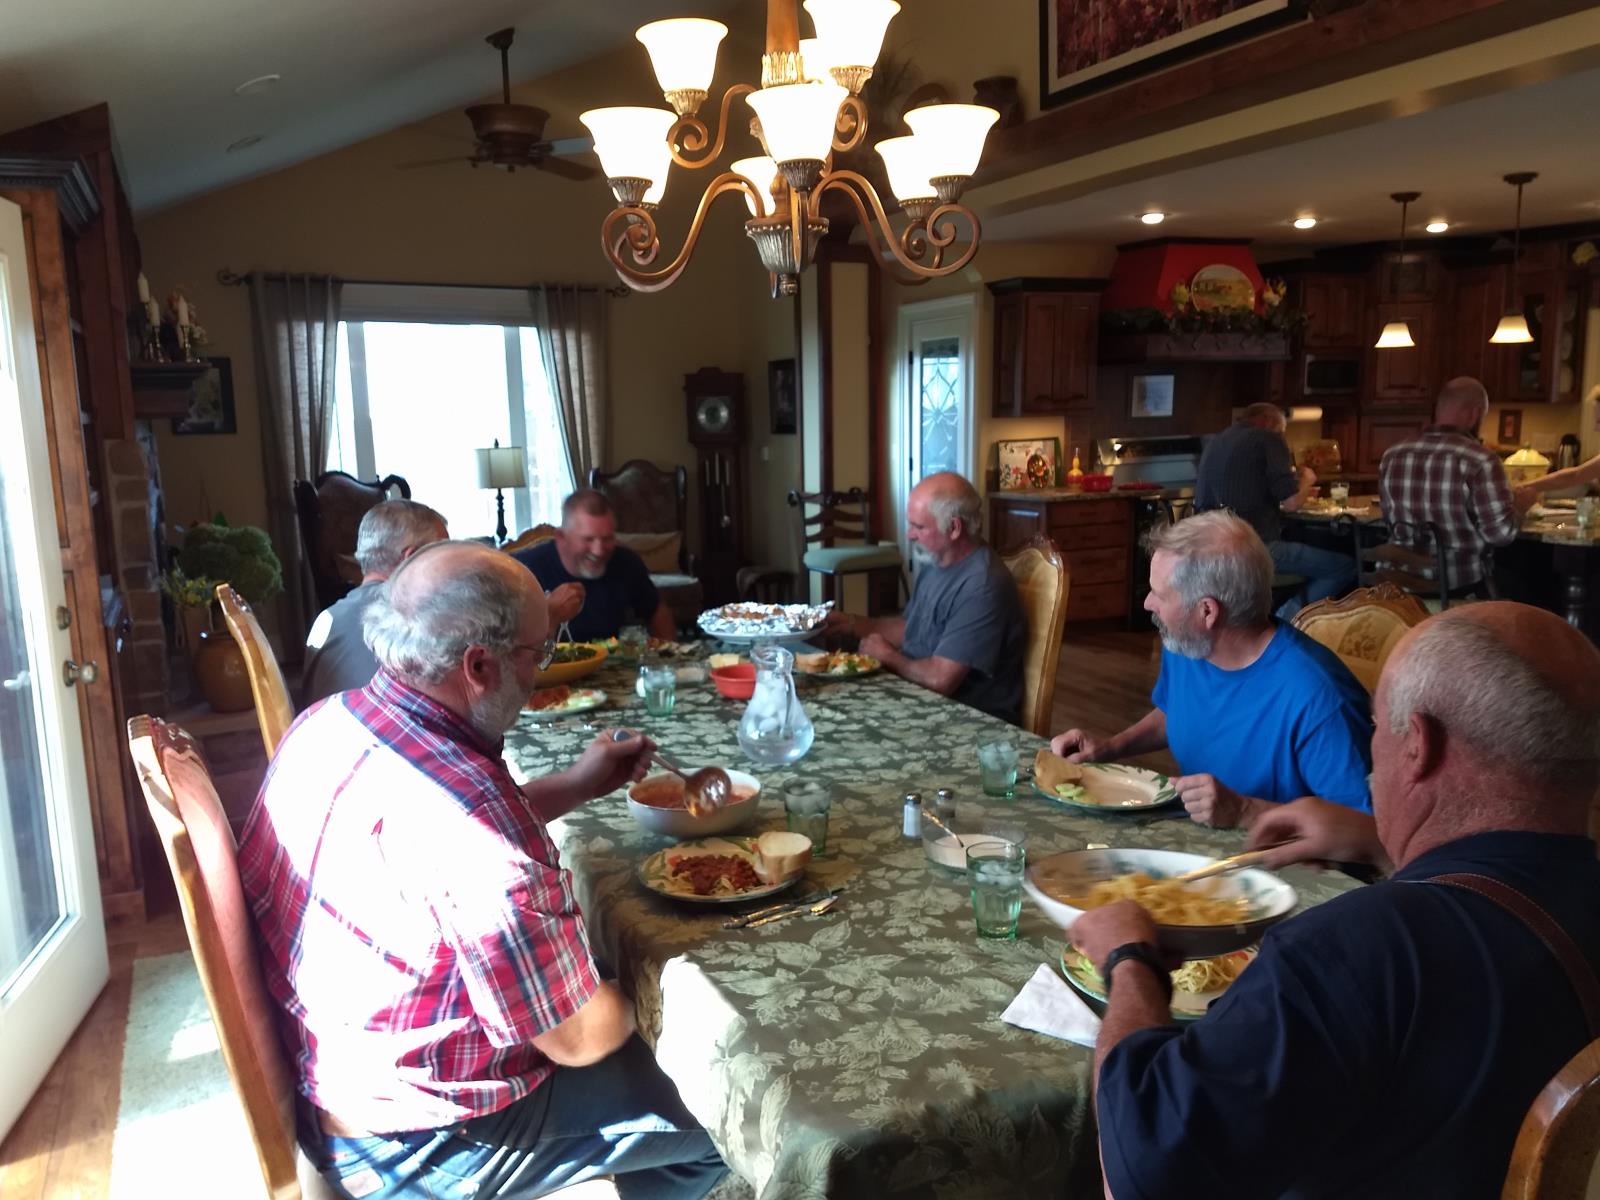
(774, 729)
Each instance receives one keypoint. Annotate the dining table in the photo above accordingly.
(860, 1051)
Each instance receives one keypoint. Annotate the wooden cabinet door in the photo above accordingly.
(1013, 523)
(1007, 398)
(1336, 308)
(1406, 376)
(1076, 350)
(1379, 431)
(1476, 299)
(1041, 324)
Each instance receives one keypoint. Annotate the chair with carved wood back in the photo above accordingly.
(652, 504)
(1362, 627)
(274, 709)
(1554, 1157)
(847, 515)
(1043, 582)
(529, 538)
(330, 512)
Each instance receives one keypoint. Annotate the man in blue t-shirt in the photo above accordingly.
(1387, 1043)
(594, 584)
(1255, 712)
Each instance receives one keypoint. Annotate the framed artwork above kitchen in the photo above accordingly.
(1089, 45)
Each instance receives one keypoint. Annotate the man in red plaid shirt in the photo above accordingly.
(451, 1033)
(1447, 476)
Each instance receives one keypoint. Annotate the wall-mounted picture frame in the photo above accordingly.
(1510, 429)
(210, 401)
(1151, 394)
(1088, 45)
(1029, 463)
(781, 395)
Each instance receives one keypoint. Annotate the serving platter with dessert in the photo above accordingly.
(775, 623)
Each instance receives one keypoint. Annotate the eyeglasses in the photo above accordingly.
(545, 649)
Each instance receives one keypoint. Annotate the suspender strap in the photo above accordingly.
(1543, 926)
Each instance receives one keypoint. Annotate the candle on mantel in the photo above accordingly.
(144, 289)
(152, 310)
(183, 310)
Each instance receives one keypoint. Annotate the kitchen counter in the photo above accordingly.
(1052, 495)
(1095, 532)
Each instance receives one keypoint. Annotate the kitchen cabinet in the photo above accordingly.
(1094, 534)
(1405, 376)
(1336, 311)
(1046, 335)
(1475, 299)
(1380, 430)
(1549, 368)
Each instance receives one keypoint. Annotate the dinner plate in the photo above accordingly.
(1186, 1006)
(861, 674)
(582, 700)
(1117, 787)
(655, 871)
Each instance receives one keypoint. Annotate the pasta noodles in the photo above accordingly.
(1210, 974)
(1168, 902)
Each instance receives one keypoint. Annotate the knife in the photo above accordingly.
(740, 922)
(821, 906)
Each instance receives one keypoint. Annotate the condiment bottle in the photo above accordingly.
(911, 819)
(1075, 473)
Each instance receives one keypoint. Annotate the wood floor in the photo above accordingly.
(61, 1147)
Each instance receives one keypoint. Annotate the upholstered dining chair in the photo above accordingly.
(652, 506)
(825, 518)
(1556, 1150)
(1362, 627)
(530, 538)
(329, 512)
(274, 709)
(1043, 582)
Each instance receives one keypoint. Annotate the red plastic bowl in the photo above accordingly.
(1097, 483)
(737, 682)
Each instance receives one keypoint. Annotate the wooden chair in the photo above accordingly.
(274, 709)
(200, 850)
(1556, 1148)
(654, 500)
(330, 512)
(1362, 627)
(1043, 582)
(530, 538)
(1396, 559)
(845, 515)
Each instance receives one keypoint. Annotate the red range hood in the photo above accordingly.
(1146, 272)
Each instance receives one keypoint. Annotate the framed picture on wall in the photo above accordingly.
(210, 402)
(781, 394)
(1510, 432)
(1029, 463)
(1152, 395)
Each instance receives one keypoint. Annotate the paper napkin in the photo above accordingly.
(1047, 1005)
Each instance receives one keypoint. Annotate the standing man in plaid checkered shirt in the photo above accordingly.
(1447, 476)
(450, 1031)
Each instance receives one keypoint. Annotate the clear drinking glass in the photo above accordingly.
(660, 690)
(806, 804)
(1339, 493)
(631, 643)
(994, 870)
(997, 764)
(1586, 512)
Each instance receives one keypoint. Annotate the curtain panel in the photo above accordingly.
(572, 333)
(296, 321)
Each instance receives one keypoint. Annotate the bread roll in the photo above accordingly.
(1051, 771)
(781, 855)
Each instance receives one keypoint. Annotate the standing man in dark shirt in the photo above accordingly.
(593, 583)
(1248, 468)
(1388, 1042)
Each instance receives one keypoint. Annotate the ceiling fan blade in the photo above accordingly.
(433, 162)
(565, 168)
(571, 145)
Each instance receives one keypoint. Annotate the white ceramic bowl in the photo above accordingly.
(1073, 873)
(681, 823)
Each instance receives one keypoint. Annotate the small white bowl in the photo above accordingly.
(681, 823)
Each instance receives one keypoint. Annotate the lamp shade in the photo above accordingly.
(852, 29)
(760, 171)
(683, 51)
(906, 160)
(629, 140)
(1512, 330)
(797, 119)
(954, 135)
(1396, 335)
(815, 61)
(658, 181)
(502, 467)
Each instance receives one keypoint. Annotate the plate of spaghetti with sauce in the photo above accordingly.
(1194, 985)
(718, 870)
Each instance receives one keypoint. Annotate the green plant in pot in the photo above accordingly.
(214, 553)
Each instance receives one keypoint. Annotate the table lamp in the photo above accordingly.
(501, 467)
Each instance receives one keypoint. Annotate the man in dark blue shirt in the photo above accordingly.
(1388, 1042)
(583, 566)
(1248, 468)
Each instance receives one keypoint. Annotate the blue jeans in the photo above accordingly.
(1327, 572)
(620, 1117)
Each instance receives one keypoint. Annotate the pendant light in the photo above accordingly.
(1396, 335)
(1513, 327)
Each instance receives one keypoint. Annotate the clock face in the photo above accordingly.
(713, 414)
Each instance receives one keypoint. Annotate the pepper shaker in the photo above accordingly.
(911, 818)
(944, 802)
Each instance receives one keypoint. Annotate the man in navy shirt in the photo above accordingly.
(593, 583)
(1388, 1042)
(1256, 713)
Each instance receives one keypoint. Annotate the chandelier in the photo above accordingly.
(807, 108)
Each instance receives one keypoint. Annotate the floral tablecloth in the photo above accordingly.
(861, 1052)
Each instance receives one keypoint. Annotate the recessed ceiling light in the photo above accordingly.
(244, 143)
(1437, 226)
(1305, 222)
(1153, 218)
(259, 84)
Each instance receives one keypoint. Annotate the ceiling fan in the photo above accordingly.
(511, 135)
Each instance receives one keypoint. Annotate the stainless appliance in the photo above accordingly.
(1566, 453)
(1331, 375)
(1173, 462)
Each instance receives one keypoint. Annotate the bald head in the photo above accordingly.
(1264, 416)
(1462, 403)
(944, 519)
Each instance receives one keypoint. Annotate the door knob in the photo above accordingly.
(71, 672)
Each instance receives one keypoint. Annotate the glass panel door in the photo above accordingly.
(939, 388)
(52, 941)
(932, 424)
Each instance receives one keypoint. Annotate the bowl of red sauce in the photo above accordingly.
(656, 802)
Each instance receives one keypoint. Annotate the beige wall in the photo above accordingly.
(955, 42)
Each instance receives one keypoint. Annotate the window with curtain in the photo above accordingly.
(417, 397)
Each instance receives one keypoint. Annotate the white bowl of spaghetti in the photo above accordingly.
(1197, 920)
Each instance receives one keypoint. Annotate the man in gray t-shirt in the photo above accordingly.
(964, 633)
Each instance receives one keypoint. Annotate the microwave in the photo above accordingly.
(1331, 375)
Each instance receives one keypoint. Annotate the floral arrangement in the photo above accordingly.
(221, 553)
(1584, 253)
(1275, 316)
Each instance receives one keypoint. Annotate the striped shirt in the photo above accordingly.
(417, 928)
(1448, 477)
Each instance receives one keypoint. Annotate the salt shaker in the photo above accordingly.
(911, 820)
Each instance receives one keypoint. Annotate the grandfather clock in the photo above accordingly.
(716, 427)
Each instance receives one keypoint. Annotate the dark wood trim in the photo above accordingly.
(1032, 283)
(1356, 41)
(77, 200)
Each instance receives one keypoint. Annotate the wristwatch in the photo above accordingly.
(1143, 953)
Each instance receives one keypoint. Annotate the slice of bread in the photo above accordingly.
(1051, 771)
(781, 855)
(811, 662)
(723, 660)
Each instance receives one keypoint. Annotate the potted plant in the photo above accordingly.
(214, 553)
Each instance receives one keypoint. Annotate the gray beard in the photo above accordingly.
(921, 555)
(494, 714)
(1189, 645)
(585, 571)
